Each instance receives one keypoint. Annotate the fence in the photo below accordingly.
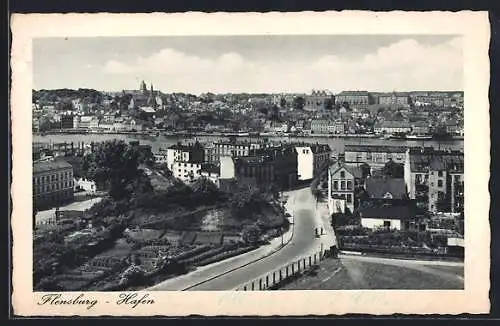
(277, 278)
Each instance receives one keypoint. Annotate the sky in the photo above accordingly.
(251, 64)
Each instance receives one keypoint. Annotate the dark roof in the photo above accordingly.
(39, 167)
(351, 93)
(379, 187)
(320, 148)
(210, 168)
(355, 169)
(374, 148)
(349, 168)
(181, 147)
(421, 160)
(389, 209)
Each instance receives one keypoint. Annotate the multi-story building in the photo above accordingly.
(317, 100)
(340, 188)
(275, 165)
(211, 172)
(336, 127)
(394, 99)
(420, 127)
(391, 127)
(311, 159)
(186, 171)
(374, 155)
(67, 121)
(184, 153)
(232, 148)
(354, 98)
(209, 154)
(319, 126)
(436, 178)
(52, 183)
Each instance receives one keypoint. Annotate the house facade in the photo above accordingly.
(311, 158)
(436, 178)
(340, 188)
(52, 183)
(317, 100)
(376, 156)
(354, 98)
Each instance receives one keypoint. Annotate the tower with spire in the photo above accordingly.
(152, 98)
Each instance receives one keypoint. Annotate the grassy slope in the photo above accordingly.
(354, 275)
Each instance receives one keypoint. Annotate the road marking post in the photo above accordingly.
(260, 284)
(267, 281)
(310, 261)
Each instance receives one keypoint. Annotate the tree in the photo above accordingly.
(298, 103)
(113, 163)
(393, 169)
(365, 170)
(251, 234)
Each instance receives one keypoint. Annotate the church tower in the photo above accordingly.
(152, 98)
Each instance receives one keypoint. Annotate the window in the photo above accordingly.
(342, 185)
(440, 173)
(440, 183)
(368, 155)
(342, 174)
(349, 198)
(387, 224)
(349, 185)
(335, 185)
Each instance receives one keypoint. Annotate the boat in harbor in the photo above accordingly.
(419, 137)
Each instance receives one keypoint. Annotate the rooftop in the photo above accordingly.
(379, 187)
(39, 167)
(421, 160)
(353, 93)
(389, 209)
(210, 168)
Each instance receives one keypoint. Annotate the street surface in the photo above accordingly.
(302, 206)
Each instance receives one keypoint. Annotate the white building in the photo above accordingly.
(186, 171)
(84, 184)
(340, 188)
(311, 159)
(305, 162)
(211, 172)
(227, 168)
(389, 216)
(161, 158)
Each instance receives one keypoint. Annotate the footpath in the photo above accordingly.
(209, 272)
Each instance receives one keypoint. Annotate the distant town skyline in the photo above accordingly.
(251, 64)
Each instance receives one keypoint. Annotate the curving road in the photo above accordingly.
(302, 206)
(231, 273)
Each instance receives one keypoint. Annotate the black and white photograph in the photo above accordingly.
(247, 163)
